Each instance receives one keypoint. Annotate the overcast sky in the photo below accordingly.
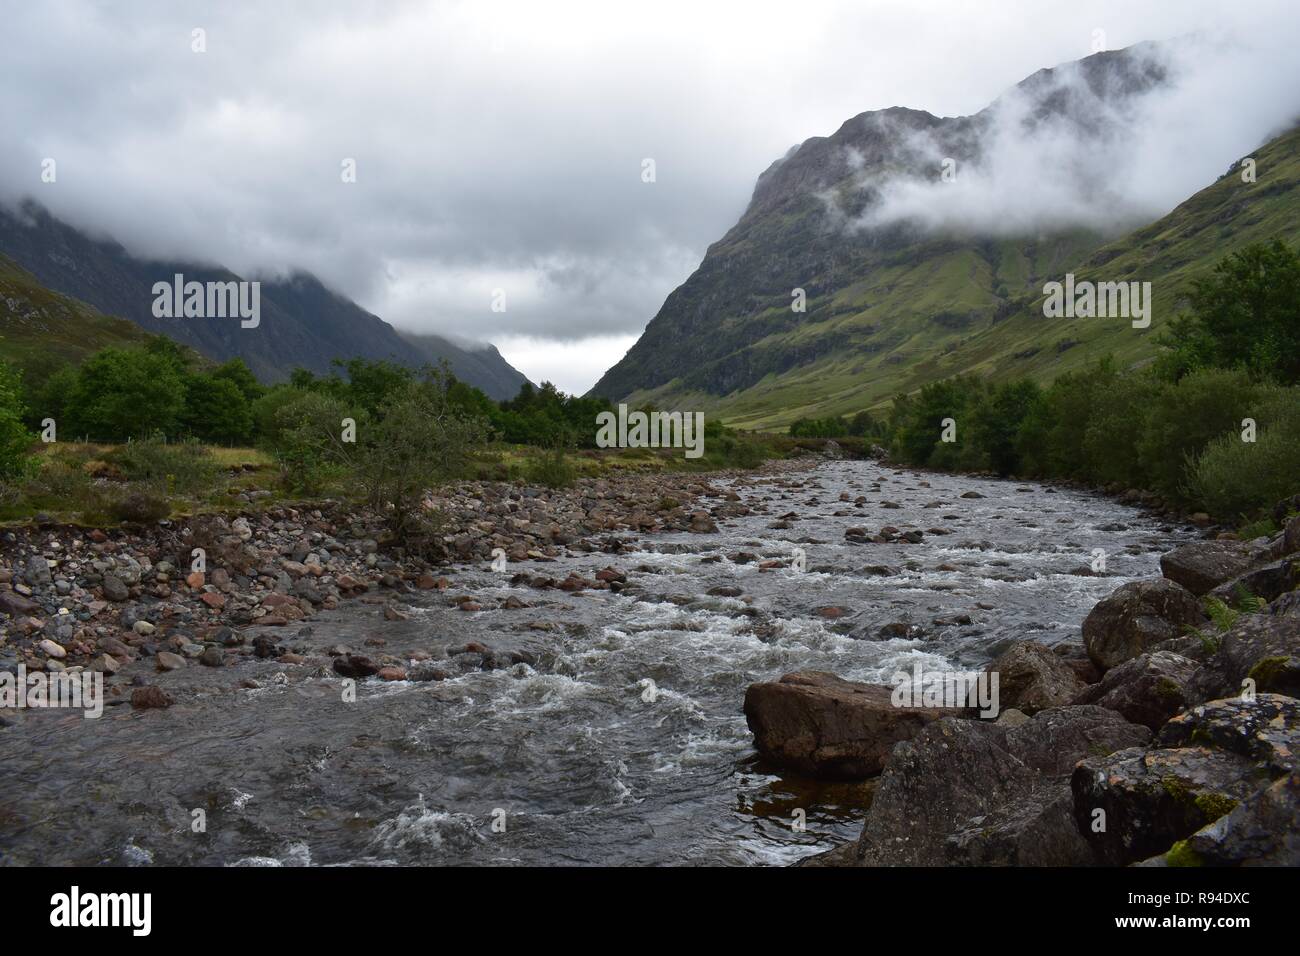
(497, 145)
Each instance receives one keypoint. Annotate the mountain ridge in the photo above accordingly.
(303, 322)
(890, 305)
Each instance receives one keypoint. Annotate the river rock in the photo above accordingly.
(819, 724)
(1262, 831)
(1147, 690)
(1268, 581)
(1031, 677)
(38, 572)
(1203, 565)
(1138, 617)
(15, 605)
(167, 661)
(1264, 647)
(355, 666)
(975, 792)
(1207, 761)
(701, 523)
(212, 656)
(115, 588)
(150, 697)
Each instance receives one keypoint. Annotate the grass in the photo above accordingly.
(40, 329)
(89, 484)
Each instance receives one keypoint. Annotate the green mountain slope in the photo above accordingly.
(891, 308)
(40, 329)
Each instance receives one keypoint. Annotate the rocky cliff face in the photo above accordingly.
(893, 300)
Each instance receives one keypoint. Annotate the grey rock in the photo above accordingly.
(1138, 617)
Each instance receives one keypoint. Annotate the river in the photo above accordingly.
(618, 738)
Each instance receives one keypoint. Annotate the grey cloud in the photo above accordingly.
(497, 145)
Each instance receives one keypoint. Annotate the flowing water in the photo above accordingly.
(622, 742)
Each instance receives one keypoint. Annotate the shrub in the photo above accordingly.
(1236, 479)
(124, 393)
(309, 448)
(551, 468)
(185, 467)
(1186, 416)
(15, 439)
(418, 439)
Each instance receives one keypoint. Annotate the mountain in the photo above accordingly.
(302, 322)
(895, 302)
(484, 367)
(40, 329)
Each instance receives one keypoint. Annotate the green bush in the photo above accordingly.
(15, 439)
(1184, 417)
(551, 468)
(310, 449)
(125, 393)
(417, 439)
(1235, 479)
(183, 467)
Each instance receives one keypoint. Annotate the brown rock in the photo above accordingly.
(151, 697)
(167, 661)
(819, 724)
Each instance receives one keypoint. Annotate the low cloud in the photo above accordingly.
(1104, 164)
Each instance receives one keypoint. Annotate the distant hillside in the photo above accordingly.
(40, 329)
(303, 323)
(485, 367)
(893, 306)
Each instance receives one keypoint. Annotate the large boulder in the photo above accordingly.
(1268, 581)
(1147, 690)
(1138, 617)
(1203, 565)
(1032, 677)
(1136, 804)
(973, 792)
(1054, 741)
(1264, 647)
(819, 724)
(1263, 831)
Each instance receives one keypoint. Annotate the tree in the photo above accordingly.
(15, 439)
(996, 422)
(1245, 314)
(241, 376)
(124, 393)
(217, 410)
(418, 439)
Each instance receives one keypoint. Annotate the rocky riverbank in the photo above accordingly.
(76, 598)
(1169, 736)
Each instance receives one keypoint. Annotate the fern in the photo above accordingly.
(1247, 603)
(1221, 616)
